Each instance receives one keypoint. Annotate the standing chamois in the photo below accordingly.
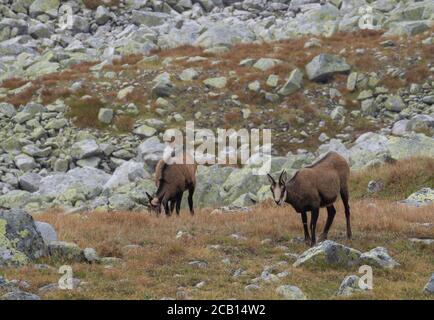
(171, 181)
(314, 187)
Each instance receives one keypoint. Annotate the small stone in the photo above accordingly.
(394, 103)
(264, 64)
(145, 131)
(105, 115)
(379, 257)
(19, 295)
(349, 286)
(290, 292)
(65, 251)
(122, 94)
(272, 80)
(216, 83)
(375, 186)
(25, 163)
(254, 86)
(85, 149)
(90, 255)
(252, 287)
(293, 84)
(30, 181)
(429, 288)
(189, 74)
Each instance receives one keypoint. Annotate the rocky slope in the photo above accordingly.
(82, 119)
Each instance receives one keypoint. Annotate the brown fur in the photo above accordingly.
(172, 180)
(314, 187)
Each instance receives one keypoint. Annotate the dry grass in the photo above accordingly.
(93, 4)
(160, 265)
(124, 123)
(181, 51)
(84, 111)
(23, 97)
(400, 179)
(50, 95)
(130, 59)
(13, 83)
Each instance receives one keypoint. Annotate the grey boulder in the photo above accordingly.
(20, 241)
(325, 65)
(329, 253)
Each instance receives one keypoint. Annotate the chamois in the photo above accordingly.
(314, 187)
(171, 181)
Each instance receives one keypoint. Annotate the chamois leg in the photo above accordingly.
(344, 196)
(313, 220)
(166, 208)
(172, 206)
(306, 230)
(190, 200)
(178, 202)
(331, 211)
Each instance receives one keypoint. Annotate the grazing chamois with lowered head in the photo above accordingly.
(171, 181)
(314, 187)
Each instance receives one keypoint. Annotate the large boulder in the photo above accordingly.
(150, 152)
(127, 172)
(48, 7)
(329, 253)
(414, 144)
(240, 182)
(20, 240)
(421, 197)
(368, 149)
(88, 178)
(150, 19)
(209, 181)
(326, 65)
(15, 199)
(379, 257)
(85, 149)
(225, 34)
(289, 292)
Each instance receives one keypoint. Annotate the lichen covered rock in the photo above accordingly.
(329, 253)
(20, 240)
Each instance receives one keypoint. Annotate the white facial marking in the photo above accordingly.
(277, 193)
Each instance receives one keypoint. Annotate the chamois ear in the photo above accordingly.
(283, 177)
(271, 179)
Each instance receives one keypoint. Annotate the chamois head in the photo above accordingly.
(154, 204)
(278, 189)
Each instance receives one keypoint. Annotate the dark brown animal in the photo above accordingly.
(171, 181)
(314, 187)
